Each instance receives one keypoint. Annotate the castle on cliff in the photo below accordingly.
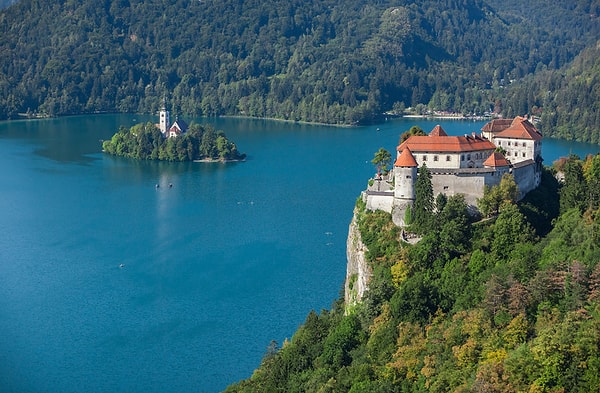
(460, 164)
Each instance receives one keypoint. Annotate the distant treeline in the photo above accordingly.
(319, 61)
(146, 142)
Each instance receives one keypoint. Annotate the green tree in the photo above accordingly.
(340, 342)
(381, 160)
(493, 197)
(509, 229)
(573, 193)
(414, 130)
(424, 204)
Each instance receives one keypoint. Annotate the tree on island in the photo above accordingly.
(145, 142)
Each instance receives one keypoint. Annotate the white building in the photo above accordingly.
(461, 164)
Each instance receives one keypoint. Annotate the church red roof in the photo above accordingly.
(520, 128)
(406, 159)
(496, 159)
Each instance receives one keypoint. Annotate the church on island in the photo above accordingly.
(460, 164)
(169, 130)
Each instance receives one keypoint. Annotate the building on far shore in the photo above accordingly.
(169, 130)
(460, 164)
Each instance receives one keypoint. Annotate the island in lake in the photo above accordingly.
(175, 141)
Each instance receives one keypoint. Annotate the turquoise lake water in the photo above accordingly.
(230, 258)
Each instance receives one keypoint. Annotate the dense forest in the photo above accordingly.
(567, 101)
(506, 304)
(320, 61)
(146, 142)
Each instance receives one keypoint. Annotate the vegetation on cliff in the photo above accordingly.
(507, 304)
(145, 142)
(320, 61)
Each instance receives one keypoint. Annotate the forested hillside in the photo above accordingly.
(566, 100)
(319, 60)
(509, 304)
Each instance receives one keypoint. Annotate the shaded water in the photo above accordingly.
(214, 268)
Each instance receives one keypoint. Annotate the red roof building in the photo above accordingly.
(496, 160)
(521, 141)
(406, 159)
(439, 150)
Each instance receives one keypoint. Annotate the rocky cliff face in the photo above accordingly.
(358, 272)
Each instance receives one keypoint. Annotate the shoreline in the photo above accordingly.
(287, 121)
(223, 161)
(448, 117)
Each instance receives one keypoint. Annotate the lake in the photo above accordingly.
(110, 284)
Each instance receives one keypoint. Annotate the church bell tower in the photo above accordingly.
(164, 118)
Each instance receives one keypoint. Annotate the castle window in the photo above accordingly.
(523, 154)
(462, 157)
(524, 144)
(435, 158)
(448, 158)
(468, 156)
(408, 176)
(508, 143)
(445, 188)
(424, 158)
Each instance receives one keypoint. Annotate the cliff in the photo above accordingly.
(486, 306)
(358, 271)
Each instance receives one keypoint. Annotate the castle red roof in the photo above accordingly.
(497, 125)
(446, 144)
(496, 159)
(406, 159)
(438, 131)
(520, 128)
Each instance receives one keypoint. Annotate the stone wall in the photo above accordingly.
(526, 178)
(379, 201)
(470, 185)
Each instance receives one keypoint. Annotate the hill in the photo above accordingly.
(320, 61)
(510, 304)
(567, 101)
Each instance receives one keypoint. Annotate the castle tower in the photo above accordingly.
(165, 122)
(405, 176)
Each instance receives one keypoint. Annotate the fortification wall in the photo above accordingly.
(526, 178)
(470, 185)
(379, 201)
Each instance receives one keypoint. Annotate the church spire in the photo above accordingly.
(165, 122)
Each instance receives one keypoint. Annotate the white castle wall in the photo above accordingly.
(526, 177)
(471, 185)
(381, 201)
(452, 160)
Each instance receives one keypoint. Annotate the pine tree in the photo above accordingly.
(424, 202)
(574, 191)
